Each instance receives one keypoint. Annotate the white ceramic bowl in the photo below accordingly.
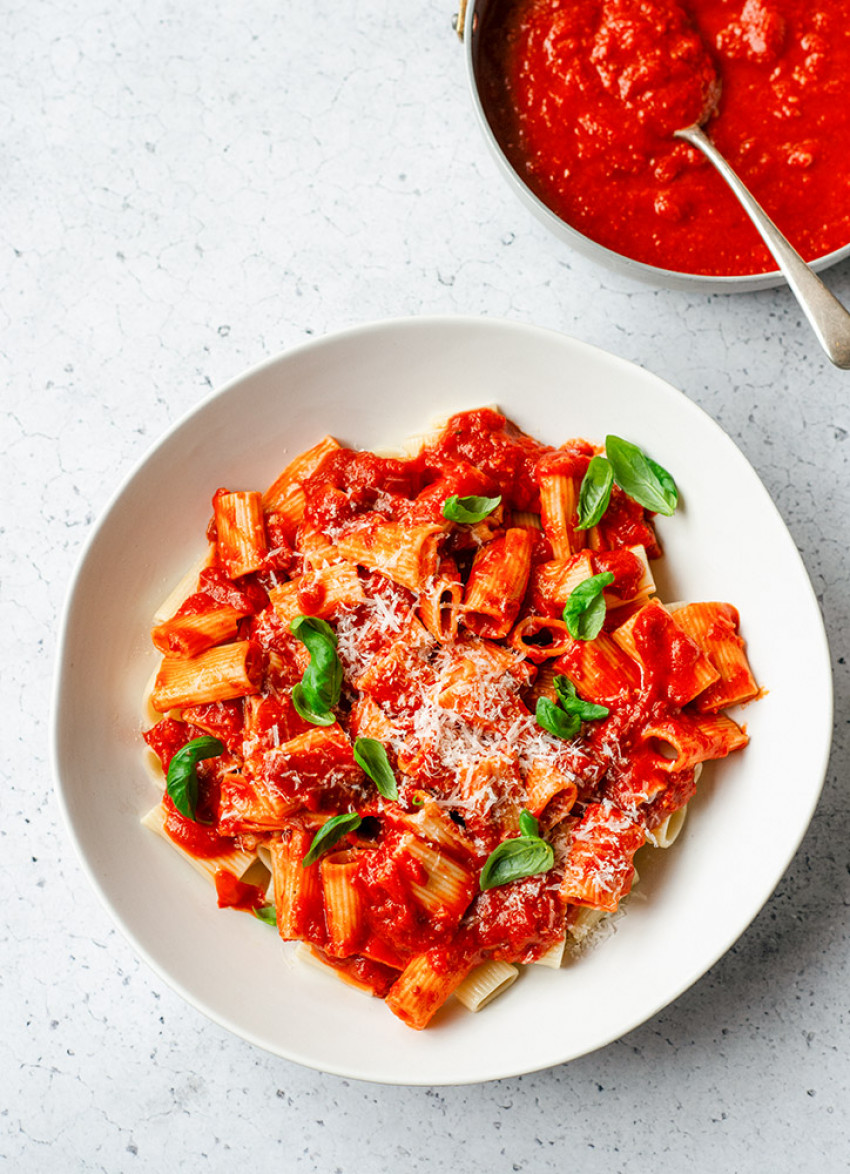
(638, 270)
(370, 386)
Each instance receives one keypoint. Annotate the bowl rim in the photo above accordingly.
(638, 270)
(61, 668)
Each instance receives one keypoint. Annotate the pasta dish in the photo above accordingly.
(419, 711)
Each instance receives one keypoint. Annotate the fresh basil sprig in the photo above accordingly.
(564, 717)
(321, 684)
(469, 509)
(181, 781)
(266, 913)
(556, 720)
(595, 492)
(370, 754)
(569, 700)
(584, 613)
(525, 855)
(641, 477)
(331, 833)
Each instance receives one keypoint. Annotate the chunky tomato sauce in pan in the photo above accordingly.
(583, 96)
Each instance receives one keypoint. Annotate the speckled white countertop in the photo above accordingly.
(188, 189)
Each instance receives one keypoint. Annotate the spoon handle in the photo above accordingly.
(828, 318)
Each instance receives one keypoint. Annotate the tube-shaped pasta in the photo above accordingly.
(643, 588)
(285, 497)
(284, 599)
(599, 867)
(421, 990)
(543, 782)
(440, 602)
(447, 888)
(297, 890)
(241, 531)
(668, 832)
(368, 720)
(554, 956)
(558, 501)
(688, 740)
(485, 983)
(497, 583)
(543, 685)
(540, 638)
(691, 675)
(552, 583)
(326, 589)
(472, 679)
(401, 664)
(714, 627)
(343, 903)
(316, 549)
(407, 555)
(526, 520)
(188, 635)
(311, 956)
(446, 636)
(600, 669)
(224, 672)
(582, 920)
(432, 823)
(251, 805)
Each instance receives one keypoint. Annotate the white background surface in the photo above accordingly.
(188, 189)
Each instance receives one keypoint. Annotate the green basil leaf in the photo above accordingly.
(307, 628)
(584, 613)
(266, 913)
(469, 509)
(303, 709)
(572, 703)
(370, 754)
(331, 833)
(514, 859)
(641, 477)
(181, 781)
(528, 825)
(322, 682)
(564, 688)
(556, 720)
(595, 492)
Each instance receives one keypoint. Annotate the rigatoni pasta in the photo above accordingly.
(439, 698)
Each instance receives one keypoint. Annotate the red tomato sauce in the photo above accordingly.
(199, 838)
(321, 777)
(625, 523)
(222, 719)
(670, 656)
(583, 96)
(523, 918)
(233, 893)
(246, 597)
(626, 568)
(364, 972)
(485, 439)
(349, 483)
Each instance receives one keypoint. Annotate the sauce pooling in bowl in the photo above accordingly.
(584, 96)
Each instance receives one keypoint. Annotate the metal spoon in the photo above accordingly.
(828, 318)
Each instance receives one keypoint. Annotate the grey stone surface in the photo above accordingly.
(188, 189)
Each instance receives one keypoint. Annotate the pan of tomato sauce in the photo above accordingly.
(580, 98)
